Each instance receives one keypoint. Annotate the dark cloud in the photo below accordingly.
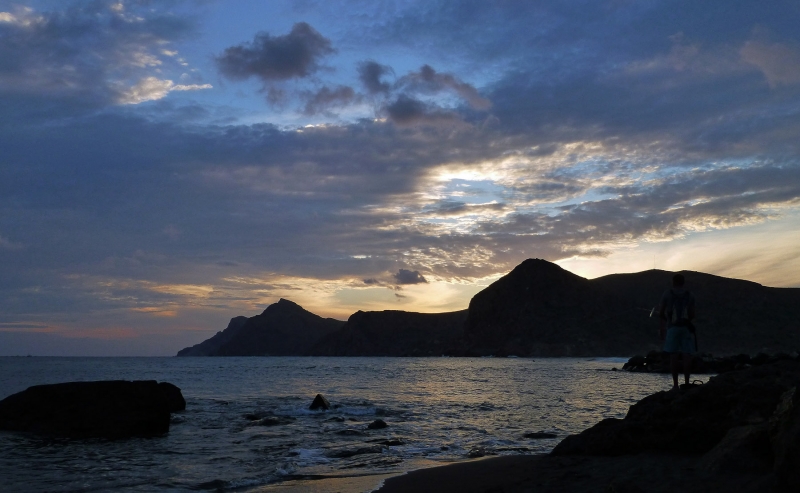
(406, 110)
(326, 98)
(428, 81)
(405, 276)
(371, 73)
(276, 58)
(371, 282)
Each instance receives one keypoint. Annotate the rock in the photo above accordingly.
(173, 396)
(349, 432)
(476, 452)
(345, 453)
(742, 449)
(784, 431)
(320, 402)
(107, 409)
(257, 415)
(540, 434)
(636, 363)
(273, 421)
(377, 424)
(692, 421)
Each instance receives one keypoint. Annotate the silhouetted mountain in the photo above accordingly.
(211, 346)
(733, 315)
(395, 333)
(283, 329)
(538, 309)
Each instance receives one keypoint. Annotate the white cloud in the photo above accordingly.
(153, 88)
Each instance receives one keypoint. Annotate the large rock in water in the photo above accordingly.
(106, 409)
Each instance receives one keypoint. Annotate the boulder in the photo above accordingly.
(107, 409)
(377, 424)
(173, 396)
(742, 449)
(785, 439)
(320, 402)
(692, 421)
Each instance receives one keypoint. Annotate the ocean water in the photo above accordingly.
(438, 410)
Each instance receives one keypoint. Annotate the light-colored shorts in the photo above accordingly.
(679, 340)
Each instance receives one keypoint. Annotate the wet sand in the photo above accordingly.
(651, 473)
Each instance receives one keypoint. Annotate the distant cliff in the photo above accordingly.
(538, 309)
(283, 329)
(395, 333)
(211, 346)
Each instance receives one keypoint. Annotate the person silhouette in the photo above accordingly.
(677, 310)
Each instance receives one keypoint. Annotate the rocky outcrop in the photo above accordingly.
(107, 409)
(746, 420)
(283, 329)
(396, 333)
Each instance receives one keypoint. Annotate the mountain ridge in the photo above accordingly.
(537, 309)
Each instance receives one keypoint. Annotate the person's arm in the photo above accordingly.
(662, 309)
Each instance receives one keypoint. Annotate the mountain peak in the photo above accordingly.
(283, 305)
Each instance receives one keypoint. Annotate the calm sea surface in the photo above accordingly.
(438, 410)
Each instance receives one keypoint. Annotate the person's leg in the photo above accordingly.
(687, 366)
(673, 364)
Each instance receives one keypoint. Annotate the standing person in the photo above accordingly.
(677, 309)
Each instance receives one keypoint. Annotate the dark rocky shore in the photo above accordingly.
(659, 362)
(739, 432)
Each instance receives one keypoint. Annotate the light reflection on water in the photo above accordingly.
(439, 408)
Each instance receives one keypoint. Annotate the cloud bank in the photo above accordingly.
(396, 152)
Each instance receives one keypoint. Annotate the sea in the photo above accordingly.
(437, 411)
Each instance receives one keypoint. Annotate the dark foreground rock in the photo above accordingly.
(106, 409)
(739, 432)
(659, 362)
(741, 420)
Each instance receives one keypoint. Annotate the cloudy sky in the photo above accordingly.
(167, 165)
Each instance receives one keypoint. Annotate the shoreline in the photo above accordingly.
(544, 473)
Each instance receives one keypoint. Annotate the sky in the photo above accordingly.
(168, 165)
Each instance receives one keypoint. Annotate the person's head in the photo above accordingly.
(678, 280)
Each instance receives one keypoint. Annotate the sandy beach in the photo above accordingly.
(652, 473)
